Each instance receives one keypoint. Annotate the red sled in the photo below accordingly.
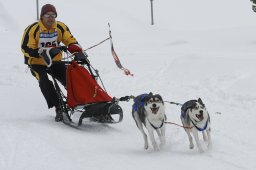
(84, 95)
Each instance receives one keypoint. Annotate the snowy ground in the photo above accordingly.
(195, 49)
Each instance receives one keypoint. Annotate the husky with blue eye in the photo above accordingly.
(148, 111)
(195, 118)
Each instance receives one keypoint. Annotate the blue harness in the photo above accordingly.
(201, 129)
(138, 102)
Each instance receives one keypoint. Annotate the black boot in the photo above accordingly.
(59, 115)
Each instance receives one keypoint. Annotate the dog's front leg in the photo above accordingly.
(204, 136)
(140, 126)
(152, 138)
(208, 131)
(191, 144)
(195, 134)
(145, 139)
(161, 134)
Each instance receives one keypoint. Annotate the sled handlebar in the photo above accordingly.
(62, 48)
(80, 57)
(69, 62)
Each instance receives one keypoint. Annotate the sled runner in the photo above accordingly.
(85, 97)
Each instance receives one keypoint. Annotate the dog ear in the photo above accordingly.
(200, 101)
(159, 97)
(146, 98)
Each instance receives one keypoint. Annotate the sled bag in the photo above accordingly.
(82, 88)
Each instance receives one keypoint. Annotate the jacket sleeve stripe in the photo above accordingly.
(61, 29)
(29, 52)
(36, 30)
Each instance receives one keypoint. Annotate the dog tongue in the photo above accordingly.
(154, 109)
(200, 116)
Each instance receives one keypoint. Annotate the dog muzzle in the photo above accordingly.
(200, 116)
(154, 110)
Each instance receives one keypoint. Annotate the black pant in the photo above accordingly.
(58, 70)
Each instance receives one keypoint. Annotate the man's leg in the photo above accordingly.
(47, 88)
(59, 72)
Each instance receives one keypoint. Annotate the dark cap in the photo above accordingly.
(47, 8)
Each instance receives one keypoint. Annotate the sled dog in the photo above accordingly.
(148, 111)
(195, 118)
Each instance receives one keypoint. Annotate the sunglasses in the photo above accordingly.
(50, 15)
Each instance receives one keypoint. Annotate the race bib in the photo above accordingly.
(48, 39)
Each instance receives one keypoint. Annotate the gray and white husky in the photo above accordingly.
(195, 118)
(149, 111)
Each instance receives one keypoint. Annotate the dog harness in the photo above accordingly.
(156, 127)
(138, 102)
(201, 129)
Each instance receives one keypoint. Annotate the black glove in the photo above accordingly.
(63, 48)
(81, 56)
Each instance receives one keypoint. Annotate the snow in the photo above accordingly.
(195, 49)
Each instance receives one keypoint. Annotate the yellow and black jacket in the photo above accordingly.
(31, 38)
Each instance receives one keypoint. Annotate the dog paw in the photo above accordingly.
(200, 150)
(163, 142)
(145, 147)
(155, 147)
(191, 146)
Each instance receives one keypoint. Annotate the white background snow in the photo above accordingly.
(195, 49)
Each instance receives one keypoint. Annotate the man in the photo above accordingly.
(37, 40)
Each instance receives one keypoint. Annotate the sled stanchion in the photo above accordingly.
(97, 75)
